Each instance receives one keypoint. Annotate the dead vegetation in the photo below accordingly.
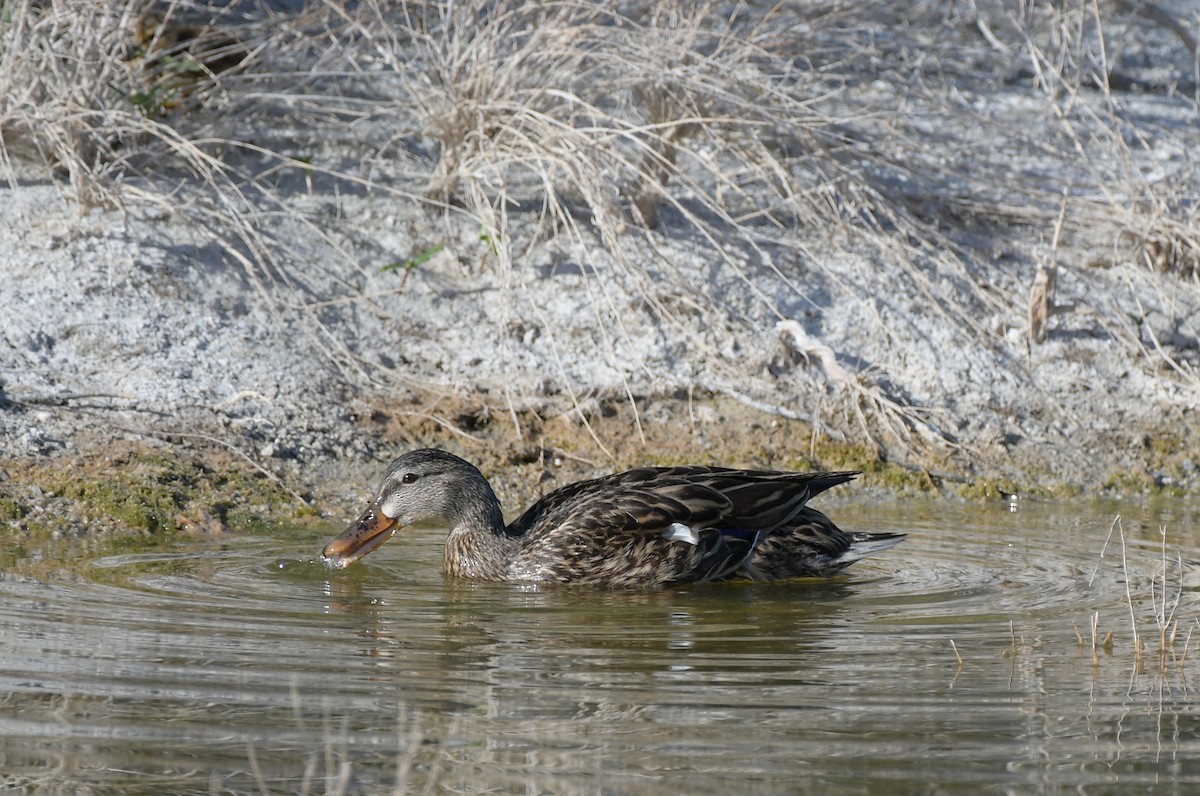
(1165, 587)
(776, 139)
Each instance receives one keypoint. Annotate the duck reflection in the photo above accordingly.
(518, 652)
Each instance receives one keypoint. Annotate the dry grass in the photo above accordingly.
(1165, 589)
(1131, 194)
(608, 129)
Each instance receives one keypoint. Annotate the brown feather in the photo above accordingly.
(614, 530)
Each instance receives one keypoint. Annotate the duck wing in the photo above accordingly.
(593, 495)
(651, 497)
(660, 525)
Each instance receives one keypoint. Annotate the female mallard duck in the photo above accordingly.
(638, 529)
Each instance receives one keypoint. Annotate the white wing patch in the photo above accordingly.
(678, 532)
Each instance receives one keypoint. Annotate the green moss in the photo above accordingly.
(876, 471)
(989, 489)
(1053, 490)
(1163, 446)
(1125, 482)
(142, 492)
(145, 494)
(10, 510)
(901, 480)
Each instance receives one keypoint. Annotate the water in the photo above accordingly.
(244, 666)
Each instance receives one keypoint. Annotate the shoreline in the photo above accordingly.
(972, 281)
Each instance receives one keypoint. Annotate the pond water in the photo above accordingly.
(245, 666)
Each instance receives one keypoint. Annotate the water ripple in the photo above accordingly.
(203, 655)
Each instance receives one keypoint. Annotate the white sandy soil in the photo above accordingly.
(138, 322)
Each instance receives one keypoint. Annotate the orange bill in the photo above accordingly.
(371, 530)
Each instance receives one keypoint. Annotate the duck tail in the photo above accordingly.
(866, 544)
(819, 482)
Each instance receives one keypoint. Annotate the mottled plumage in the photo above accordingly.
(637, 529)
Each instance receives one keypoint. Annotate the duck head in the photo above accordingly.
(421, 486)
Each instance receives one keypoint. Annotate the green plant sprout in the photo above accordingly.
(412, 263)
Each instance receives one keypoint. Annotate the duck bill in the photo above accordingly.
(371, 530)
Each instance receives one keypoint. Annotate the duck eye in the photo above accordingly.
(408, 478)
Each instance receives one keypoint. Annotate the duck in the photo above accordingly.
(641, 529)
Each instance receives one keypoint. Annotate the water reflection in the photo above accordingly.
(210, 667)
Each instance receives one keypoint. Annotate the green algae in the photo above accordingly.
(139, 492)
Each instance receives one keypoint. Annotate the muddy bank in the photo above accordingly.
(114, 484)
(147, 388)
(249, 298)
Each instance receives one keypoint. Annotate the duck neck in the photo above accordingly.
(477, 546)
